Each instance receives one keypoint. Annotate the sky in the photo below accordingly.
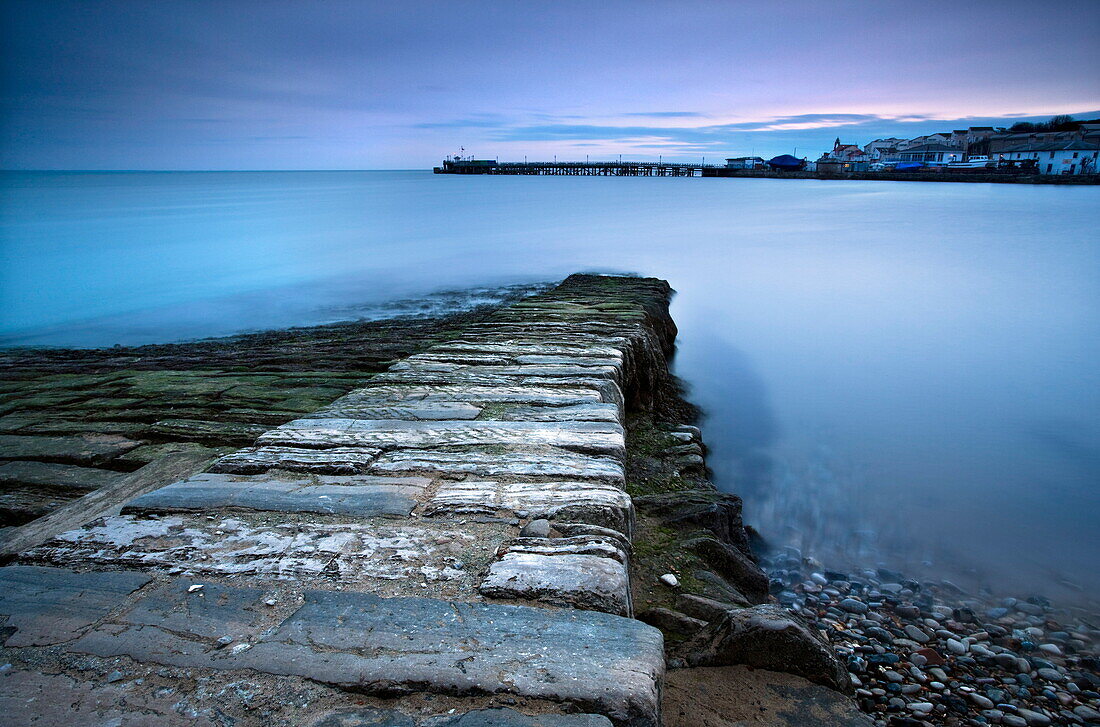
(282, 84)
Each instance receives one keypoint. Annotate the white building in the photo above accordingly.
(1058, 157)
(745, 163)
(884, 149)
(931, 154)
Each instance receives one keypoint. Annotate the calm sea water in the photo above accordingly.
(895, 373)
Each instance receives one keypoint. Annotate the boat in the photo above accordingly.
(908, 166)
(974, 162)
(786, 163)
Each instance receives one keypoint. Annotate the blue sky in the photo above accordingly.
(283, 84)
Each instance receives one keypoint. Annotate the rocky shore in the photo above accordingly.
(928, 654)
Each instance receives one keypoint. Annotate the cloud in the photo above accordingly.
(667, 114)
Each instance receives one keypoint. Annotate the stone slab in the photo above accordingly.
(576, 576)
(504, 374)
(230, 545)
(606, 438)
(45, 606)
(537, 395)
(512, 462)
(600, 663)
(361, 496)
(576, 412)
(423, 412)
(334, 461)
(585, 502)
(87, 449)
(57, 476)
(536, 351)
(212, 433)
(373, 717)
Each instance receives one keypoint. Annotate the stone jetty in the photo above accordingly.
(451, 541)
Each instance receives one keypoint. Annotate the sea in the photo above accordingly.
(893, 374)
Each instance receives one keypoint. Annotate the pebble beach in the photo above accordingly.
(929, 654)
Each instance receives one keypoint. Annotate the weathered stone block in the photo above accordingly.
(212, 433)
(585, 573)
(513, 461)
(606, 438)
(55, 476)
(385, 646)
(85, 449)
(423, 412)
(47, 606)
(536, 395)
(335, 461)
(230, 545)
(577, 412)
(361, 496)
(584, 502)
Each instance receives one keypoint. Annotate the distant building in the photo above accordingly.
(884, 150)
(944, 138)
(744, 163)
(966, 138)
(1075, 156)
(847, 152)
(998, 143)
(934, 153)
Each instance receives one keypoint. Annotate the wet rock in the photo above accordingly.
(768, 637)
(733, 565)
(717, 512)
(670, 621)
(705, 609)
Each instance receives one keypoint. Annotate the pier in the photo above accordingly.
(575, 169)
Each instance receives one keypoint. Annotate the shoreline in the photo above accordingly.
(685, 526)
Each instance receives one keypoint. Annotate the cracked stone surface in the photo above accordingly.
(50, 605)
(603, 663)
(228, 545)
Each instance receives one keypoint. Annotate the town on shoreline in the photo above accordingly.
(1060, 151)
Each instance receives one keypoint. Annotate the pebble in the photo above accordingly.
(957, 647)
(851, 605)
(916, 634)
(670, 580)
(1034, 718)
(1088, 713)
(196, 587)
